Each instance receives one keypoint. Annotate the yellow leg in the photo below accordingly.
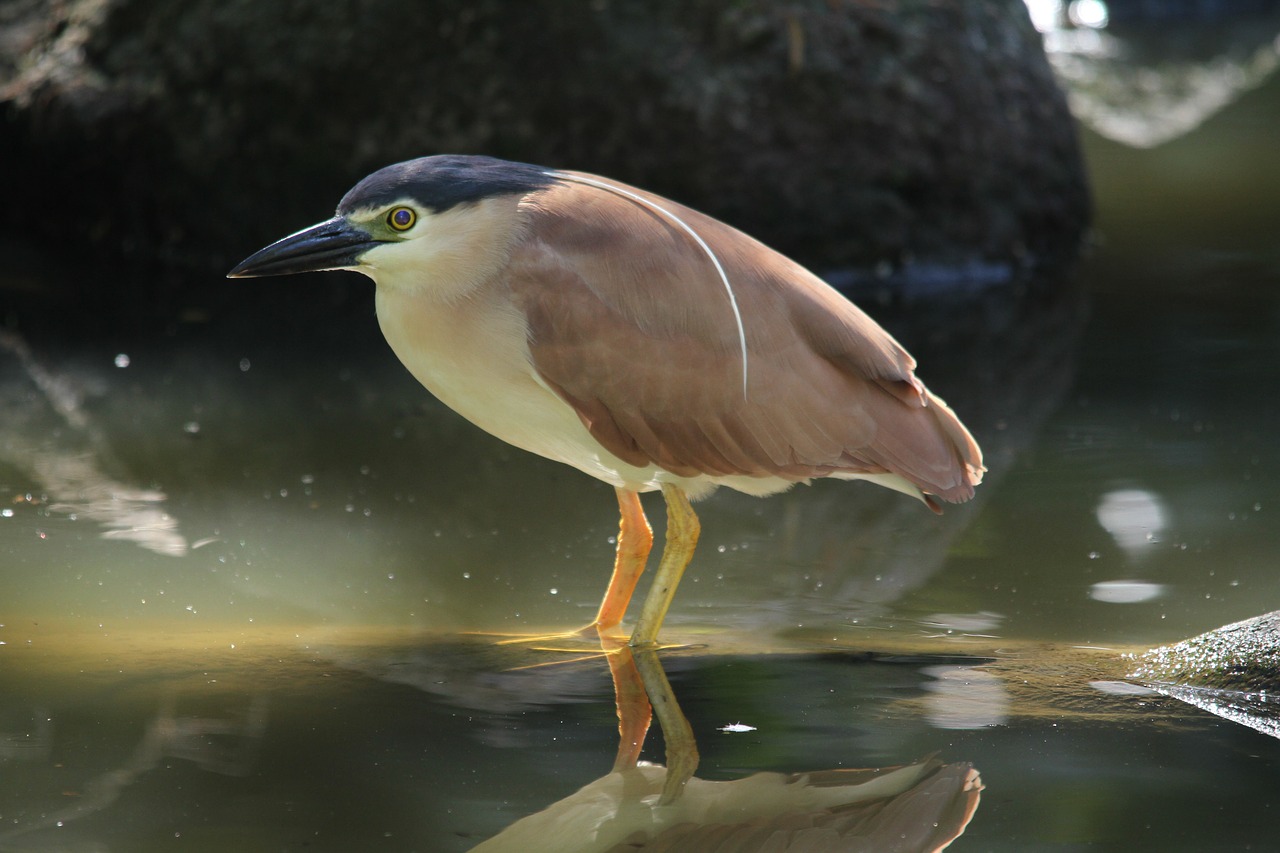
(682, 749)
(682, 539)
(635, 540)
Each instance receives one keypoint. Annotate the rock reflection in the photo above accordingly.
(922, 806)
(1258, 711)
(47, 434)
(1146, 82)
(219, 745)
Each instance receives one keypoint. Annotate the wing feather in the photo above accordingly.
(630, 324)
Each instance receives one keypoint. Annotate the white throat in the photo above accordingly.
(448, 254)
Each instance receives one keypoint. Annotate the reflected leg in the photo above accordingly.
(682, 749)
(634, 712)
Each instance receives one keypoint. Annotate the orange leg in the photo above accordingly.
(642, 691)
(634, 711)
(635, 540)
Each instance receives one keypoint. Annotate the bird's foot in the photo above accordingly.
(588, 638)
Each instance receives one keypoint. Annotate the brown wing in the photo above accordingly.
(630, 322)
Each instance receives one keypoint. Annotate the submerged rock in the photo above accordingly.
(1232, 672)
(1243, 656)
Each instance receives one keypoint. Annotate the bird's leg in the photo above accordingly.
(635, 540)
(682, 538)
(682, 748)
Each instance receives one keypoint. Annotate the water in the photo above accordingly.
(243, 554)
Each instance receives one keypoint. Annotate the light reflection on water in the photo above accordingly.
(236, 566)
(342, 528)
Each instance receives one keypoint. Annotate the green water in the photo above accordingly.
(240, 552)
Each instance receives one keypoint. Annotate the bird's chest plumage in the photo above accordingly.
(472, 353)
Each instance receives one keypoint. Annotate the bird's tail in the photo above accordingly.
(968, 454)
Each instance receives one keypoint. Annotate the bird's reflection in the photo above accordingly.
(922, 806)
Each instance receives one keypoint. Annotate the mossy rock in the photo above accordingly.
(1243, 656)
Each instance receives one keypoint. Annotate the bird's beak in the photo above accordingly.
(334, 244)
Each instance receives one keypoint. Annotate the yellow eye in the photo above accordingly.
(401, 218)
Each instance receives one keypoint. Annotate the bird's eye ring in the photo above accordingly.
(401, 218)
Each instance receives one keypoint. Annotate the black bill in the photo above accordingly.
(333, 244)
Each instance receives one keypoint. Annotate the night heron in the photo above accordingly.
(637, 340)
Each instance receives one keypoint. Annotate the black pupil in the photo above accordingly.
(401, 217)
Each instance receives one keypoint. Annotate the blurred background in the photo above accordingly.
(243, 553)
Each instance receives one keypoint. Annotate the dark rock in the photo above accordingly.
(846, 134)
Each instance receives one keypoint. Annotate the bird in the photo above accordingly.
(638, 340)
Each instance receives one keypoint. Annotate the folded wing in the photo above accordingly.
(630, 322)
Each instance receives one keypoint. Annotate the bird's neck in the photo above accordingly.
(461, 348)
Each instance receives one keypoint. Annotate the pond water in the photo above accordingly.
(253, 574)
